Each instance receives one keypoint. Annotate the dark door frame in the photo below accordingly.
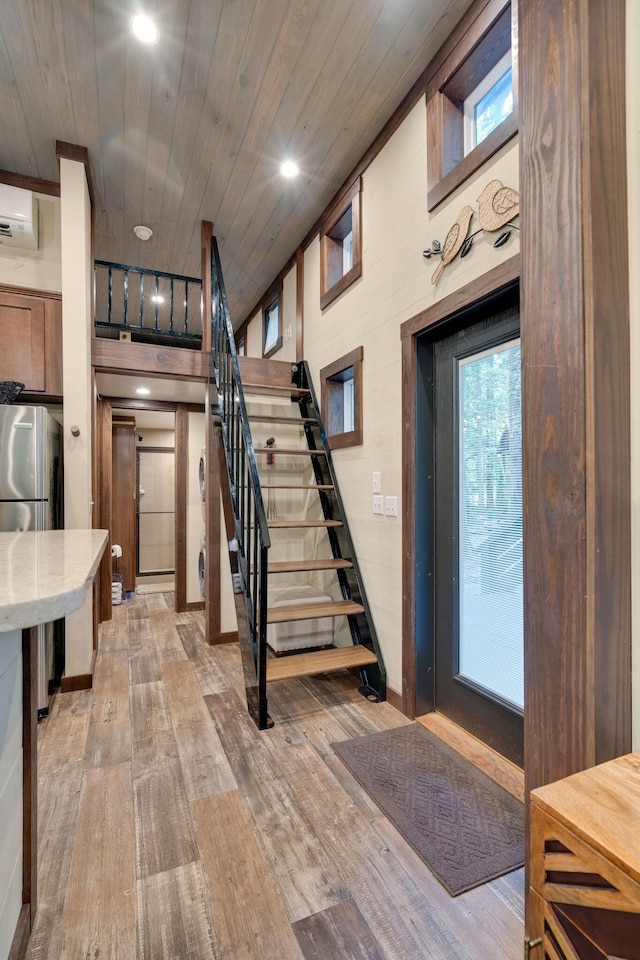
(417, 579)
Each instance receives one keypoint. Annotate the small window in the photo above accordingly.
(271, 325)
(489, 104)
(341, 384)
(340, 246)
(472, 103)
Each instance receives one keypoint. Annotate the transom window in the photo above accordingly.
(272, 324)
(340, 247)
(341, 385)
(489, 104)
(472, 101)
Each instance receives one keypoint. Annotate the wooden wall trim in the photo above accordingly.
(80, 681)
(181, 490)
(177, 363)
(494, 282)
(49, 187)
(102, 496)
(30, 292)
(20, 942)
(73, 151)
(576, 406)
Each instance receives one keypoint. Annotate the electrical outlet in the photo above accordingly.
(391, 506)
(376, 481)
(378, 505)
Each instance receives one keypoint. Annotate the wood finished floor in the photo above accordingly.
(170, 828)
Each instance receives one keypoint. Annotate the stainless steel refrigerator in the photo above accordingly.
(31, 499)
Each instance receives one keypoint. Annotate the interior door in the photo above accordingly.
(477, 523)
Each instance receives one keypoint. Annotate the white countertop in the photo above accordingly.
(45, 575)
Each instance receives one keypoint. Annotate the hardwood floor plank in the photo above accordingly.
(493, 930)
(68, 704)
(60, 772)
(205, 767)
(341, 931)
(257, 925)
(304, 874)
(164, 834)
(143, 661)
(135, 609)
(166, 638)
(206, 660)
(99, 918)
(175, 918)
(386, 896)
(109, 739)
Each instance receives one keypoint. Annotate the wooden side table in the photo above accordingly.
(585, 865)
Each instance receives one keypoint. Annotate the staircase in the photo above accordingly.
(298, 544)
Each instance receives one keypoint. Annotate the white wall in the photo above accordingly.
(77, 321)
(633, 168)
(37, 269)
(395, 285)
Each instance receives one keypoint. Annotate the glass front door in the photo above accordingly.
(478, 595)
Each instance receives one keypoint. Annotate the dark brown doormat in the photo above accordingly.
(466, 828)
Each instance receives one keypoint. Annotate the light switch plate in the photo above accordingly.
(378, 504)
(391, 506)
(376, 481)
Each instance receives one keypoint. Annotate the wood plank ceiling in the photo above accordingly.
(195, 127)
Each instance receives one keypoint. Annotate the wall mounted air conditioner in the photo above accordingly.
(18, 218)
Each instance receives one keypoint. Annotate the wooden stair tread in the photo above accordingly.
(297, 486)
(299, 421)
(309, 611)
(318, 661)
(296, 566)
(292, 524)
(267, 389)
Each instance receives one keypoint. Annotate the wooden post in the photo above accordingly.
(575, 357)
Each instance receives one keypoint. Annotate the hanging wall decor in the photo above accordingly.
(498, 206)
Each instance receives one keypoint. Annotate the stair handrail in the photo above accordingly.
(250, 519)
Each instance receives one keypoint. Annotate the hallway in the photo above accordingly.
(170, 827)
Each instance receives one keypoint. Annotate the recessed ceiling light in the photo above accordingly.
(142, 232)
(156, 298)
(144, 28)
(289, 169)
(143, 391)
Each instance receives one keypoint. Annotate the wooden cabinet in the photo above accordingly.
(585, 864)
(31, 341)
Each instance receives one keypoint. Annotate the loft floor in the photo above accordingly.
(170, 827)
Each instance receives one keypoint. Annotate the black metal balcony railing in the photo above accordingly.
(150, 303)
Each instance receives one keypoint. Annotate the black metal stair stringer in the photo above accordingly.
(362, 629)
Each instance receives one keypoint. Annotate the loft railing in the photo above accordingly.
(149, 303)
(249, 558)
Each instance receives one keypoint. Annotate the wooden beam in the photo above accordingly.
(576, 406)
(176, 363)
(103, 443)
(212, 526)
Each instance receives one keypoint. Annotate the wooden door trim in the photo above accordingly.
(181, 428)
(492, 283)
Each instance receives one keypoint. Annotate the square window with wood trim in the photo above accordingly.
(341, 392)
(341, 246)
(272, 324)
(472, 97)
